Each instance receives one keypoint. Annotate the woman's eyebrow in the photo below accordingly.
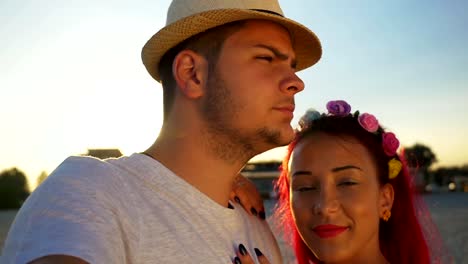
(347, 167)
(297, 173)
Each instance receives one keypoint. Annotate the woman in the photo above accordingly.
(345, 196)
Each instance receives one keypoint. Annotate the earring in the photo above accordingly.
(386, 215)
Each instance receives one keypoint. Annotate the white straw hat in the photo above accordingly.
(186, 18)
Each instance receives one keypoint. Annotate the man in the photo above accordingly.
(228, 70)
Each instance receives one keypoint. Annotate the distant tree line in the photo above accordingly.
(445, 175)
(13, 189)
(14, 184)
(421, 158)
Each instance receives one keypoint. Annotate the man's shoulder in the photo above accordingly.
(82, 175)
(83, 163)
(135, 164)
(86, 167)
(82, 205)
(105, 176)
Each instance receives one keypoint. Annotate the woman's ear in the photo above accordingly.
(190, 73)
(387, 195)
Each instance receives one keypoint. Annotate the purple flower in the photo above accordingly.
(338, 108)
(390, 143)
(368, 122)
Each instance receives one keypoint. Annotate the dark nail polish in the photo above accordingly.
(242, 250)
(258, 252)
(237, 199)
(254, 212)
(237, 260)
(262, 215)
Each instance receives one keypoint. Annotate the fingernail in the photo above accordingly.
(258, 252)
(237, 199)
(254, 212)
(237, 260)
(262, 215)
(242, 250)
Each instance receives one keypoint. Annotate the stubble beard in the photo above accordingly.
(225, 140)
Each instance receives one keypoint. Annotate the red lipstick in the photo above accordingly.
(329, 231)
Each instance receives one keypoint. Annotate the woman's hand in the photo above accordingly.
(245, 193)
(243, 256)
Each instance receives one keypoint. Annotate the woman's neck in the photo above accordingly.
(374, 258)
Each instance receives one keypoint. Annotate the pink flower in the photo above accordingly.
(338, 108)
(390, 143)
(368, 122)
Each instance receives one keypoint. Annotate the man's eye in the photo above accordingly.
(267, 58)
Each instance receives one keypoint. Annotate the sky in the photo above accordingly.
(71, 76)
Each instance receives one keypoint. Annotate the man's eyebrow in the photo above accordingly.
(347, 167)
(297, 173)
(278, 54)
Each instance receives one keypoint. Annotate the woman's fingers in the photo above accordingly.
(261, 258)
(245, 193)
(243, 256)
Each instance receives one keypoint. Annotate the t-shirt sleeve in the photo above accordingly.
(72, 213)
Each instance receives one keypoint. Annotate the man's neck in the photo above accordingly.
(188, 157)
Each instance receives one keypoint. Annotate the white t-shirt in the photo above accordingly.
(130, 210)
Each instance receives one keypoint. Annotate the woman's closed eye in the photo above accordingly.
(347, 183)
(306, 188)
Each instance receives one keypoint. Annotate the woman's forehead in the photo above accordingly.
(320, 148)
(320, 141)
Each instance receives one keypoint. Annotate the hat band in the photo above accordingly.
(267, 11)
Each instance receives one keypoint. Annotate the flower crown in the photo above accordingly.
(341, 108)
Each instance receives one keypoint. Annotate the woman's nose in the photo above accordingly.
(327, 203)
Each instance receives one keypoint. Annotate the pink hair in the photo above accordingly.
(402, 238)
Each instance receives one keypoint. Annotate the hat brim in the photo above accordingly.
(305, 43)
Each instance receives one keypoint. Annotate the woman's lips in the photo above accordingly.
(329, 231)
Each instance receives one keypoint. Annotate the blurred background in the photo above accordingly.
(72, 83)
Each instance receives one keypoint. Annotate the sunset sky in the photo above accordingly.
(71, 77)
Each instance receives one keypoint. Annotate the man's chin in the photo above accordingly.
(288, 136)
(274, 138)
(284, 139)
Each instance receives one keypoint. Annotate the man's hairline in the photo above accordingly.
(242, 24)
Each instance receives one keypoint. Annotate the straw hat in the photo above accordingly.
(186, 18)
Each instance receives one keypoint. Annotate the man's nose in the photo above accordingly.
(292, 84)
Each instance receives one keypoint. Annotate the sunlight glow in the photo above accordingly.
(71, 76)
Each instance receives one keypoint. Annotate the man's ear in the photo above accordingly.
(387, 194)
(190, 73)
